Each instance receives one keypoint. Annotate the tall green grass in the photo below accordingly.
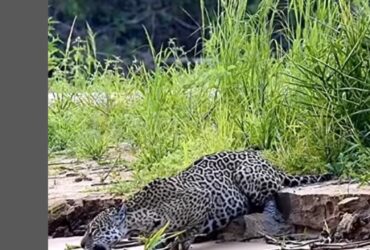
(309, 109)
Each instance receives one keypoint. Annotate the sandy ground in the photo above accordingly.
(59, 244)
(64, 172)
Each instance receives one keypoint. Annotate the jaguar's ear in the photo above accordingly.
(121, 214)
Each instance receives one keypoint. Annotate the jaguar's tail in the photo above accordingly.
(293, 181)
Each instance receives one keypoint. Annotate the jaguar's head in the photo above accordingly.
(106, 229)
(115, 224)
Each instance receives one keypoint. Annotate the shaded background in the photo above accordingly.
(118, 24)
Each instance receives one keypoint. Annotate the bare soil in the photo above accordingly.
(73, 178)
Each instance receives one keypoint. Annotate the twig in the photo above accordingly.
(132, 239)
(201, 235)
(293, 248)
(304, 243)
(298, 236)
(338, 246)
(127, 244)
(63, 163)
(111, 169)
(104, 183)
(271, 240)
(283, 242)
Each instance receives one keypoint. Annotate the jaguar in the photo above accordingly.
(203, 198)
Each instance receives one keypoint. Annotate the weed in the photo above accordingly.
(92, 144)
(159, 237)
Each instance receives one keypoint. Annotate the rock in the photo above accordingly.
(72, 174)
(82, 178)
(352, 204)
(70, 217)
(255, 225)
(236, 229)
(355, 226)
(343, 207)
(60, 232)
(345, 226)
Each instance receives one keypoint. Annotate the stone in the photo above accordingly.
(256, 225)
(82, 178)
(69, 217)
(352, 204)
(72, 174)
(342, 207)
(353, 226)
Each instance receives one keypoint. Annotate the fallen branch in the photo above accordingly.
(338, 246)
(120, 245)
(271, 240)
(64, 163)
(284, 242)
(104, 184)
(298, 236)
(111, 169)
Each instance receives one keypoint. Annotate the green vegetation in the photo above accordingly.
(308, 109)
(159, 237)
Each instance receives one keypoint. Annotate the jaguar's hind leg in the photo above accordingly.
(270, 209)
(255, 184)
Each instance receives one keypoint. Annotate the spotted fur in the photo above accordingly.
(201, 199)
